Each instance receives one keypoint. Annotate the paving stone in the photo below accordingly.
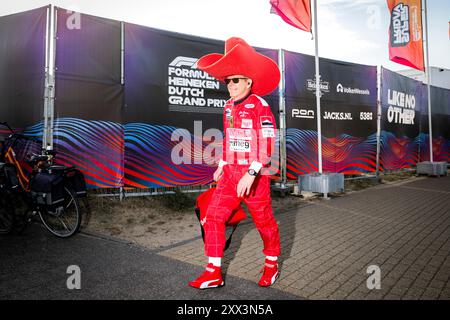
(399, 290)
(430, 294)
(392, 296)
(375, 295)
(445, 293)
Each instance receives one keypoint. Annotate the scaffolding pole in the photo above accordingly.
(49, 90)
(318, 92)
(282, 117)
(428, 77)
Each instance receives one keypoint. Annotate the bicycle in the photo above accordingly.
(7, 211)
(47, 189)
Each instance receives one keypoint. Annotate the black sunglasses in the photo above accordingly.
(235, 80)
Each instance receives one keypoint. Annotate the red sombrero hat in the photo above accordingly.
(240, 58)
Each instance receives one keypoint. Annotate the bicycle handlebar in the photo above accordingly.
(7, 125)
(46, 155)
(22, 136)
(16, 134)
(35, 158)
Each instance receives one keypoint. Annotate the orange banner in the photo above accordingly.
(405, 33)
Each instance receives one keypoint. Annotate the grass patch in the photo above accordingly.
(359, 184)
(178, 201)
(396, 176)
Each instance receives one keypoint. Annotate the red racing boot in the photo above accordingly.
(210, 278)
(270, 273)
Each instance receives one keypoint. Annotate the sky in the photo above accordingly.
(353, 31)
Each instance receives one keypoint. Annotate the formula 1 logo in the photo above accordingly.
(184, 62)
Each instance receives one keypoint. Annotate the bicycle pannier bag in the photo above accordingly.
(9, 174)
(47, 188)
(75, 180)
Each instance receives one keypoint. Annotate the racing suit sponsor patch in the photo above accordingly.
(268, 132)
(243, 114)
(240, 145)
(239, 134)
(239, 139)
(230, 121)
(247, 123)
(266, 122)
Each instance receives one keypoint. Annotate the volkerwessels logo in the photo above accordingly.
(186, 86)
(341, 89)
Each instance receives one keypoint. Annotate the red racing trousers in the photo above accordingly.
(225, 200)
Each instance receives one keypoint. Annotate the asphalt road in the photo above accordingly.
(36, 265)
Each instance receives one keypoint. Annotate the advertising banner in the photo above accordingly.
(173, 111)
(405, 33)
(401, 105)
(440, 103)
(22, 66)
(88, 130)
(348, 115)
(88, 67)
(440, 117)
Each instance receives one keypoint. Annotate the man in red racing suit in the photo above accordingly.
(249, 127)
(243, 175)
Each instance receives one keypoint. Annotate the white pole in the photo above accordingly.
(282, 109)
(428, 75)
(318, 93)
(52, 76)
(47, 75)
(379, 70)
(122, 53)
(49, 95)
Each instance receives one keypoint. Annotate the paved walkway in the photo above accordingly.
(403, 229)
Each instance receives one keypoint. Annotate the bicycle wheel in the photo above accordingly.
(23, 213)
(62, 221)
(6, 214)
